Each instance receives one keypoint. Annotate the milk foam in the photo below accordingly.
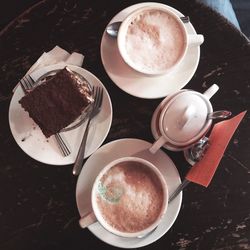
(154, 41)
(141, 201)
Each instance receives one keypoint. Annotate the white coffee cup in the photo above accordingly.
(153, 40)
(184, 118)
(112, 195)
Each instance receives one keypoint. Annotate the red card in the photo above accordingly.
(203, 171)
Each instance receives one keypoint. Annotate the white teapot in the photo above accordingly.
(185, 119)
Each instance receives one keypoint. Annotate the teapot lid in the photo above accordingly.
(185, 118)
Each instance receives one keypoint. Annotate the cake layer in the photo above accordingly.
(58, 101)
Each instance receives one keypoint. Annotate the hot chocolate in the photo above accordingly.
(155, 41)
(130, 197)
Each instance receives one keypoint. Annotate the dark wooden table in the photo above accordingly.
(38, 207)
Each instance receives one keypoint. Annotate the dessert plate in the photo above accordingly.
(110, 152)
(30, 138)
(137, 84)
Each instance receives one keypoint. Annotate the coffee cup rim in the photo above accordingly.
(95, 208)
(122, 35)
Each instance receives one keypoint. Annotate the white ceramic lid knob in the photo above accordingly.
(185, 117)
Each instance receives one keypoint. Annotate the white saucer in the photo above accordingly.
(137, 84)
(31, 140)
(110, 152)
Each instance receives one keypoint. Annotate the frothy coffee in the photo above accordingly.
(130, 197)
(155, 41)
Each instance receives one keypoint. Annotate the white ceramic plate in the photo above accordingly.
(31, 140)
(110, 152)
(137, 84)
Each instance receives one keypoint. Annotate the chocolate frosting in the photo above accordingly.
(57, 102)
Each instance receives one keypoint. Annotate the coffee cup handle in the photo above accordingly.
(194, 40)
(157, 144)
(211, 91)
(87, 220)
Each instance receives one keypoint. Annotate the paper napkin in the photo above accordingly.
(203, 171)
(54, 56)
(57, 55)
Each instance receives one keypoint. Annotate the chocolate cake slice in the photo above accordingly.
(57, 101)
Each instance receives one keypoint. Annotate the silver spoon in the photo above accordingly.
(113, 28)
(147, 234)
(221, 114)
(192, 155)
(196, 152)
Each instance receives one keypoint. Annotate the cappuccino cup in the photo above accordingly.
(129, 198)
(153, 40)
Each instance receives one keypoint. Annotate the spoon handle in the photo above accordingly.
(178, 190)
(185, 19)
(220, 114)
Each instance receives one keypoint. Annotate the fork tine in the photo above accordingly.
(28, 82)
(64, 148)
(23, 85)
(93, 91)
(97, 97)
(30, 79)
(94, 96)
(101, 97)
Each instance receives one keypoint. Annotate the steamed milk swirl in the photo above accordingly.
(130, 197)
(155, 41)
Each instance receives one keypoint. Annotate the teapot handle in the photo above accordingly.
(211, 91)
(87, 220)
(157, 144)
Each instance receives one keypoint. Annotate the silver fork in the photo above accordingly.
(98, 96)
(28, 83)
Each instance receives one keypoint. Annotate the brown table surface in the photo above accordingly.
(38, 208)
